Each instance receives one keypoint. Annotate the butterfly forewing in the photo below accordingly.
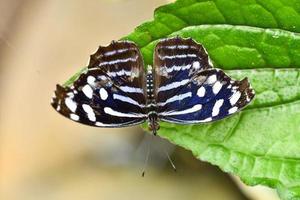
(111, 93)
(123, 64)
(176, 61)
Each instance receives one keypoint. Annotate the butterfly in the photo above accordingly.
(182, 87)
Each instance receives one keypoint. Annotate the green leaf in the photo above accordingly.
(258, 39)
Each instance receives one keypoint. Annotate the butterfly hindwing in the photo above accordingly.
(209, 96)
(111, 93)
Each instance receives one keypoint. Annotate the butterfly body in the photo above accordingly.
(151, 108)
(181, 87)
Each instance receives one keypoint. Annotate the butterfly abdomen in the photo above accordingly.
(149, 85)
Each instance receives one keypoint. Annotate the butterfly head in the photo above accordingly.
(153, 124)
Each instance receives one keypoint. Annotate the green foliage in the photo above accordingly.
(258, 39)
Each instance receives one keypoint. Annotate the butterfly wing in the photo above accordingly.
(187, 88)
(210, 95)
(110, 93)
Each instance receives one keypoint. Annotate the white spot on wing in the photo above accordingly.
(195, 108)
(173, 85)
(133, 59)
(120, 73)
(90, 112)
(110, 111)
(178, 47)
(88, 91)
(178, 56)
(232, 110)
(103, 94)
(74, 117)
(201, 91)
(234, 98)
(110, 53)
(100, 124)
(102, 77)
(127, 99)
(175, 98)
(174, 68)
(217, 87)
(196, 65)
(206, 120)
(71, 94)
(165, 70)
(70, 104)
(131, 89)
(217, 106)
(211, 79)
(58, 107)
(91, 80)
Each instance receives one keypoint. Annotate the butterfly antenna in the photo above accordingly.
(170, 160)
(154, 132)
(147, 156)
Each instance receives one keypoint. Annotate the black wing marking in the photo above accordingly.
(111, 93)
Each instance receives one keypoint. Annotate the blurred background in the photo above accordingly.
(46, 156)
